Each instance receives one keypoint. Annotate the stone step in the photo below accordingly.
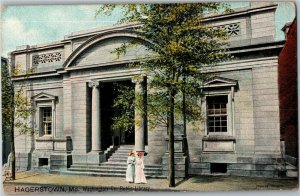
(113, 171)
(124, 164)
(115, 166)
(120, 154)
(112, 167)
(105, 174)
(292, 174)
(118, 159)
(291, 167)
(111, 164)
(291, 171)
(123, 151)
(129, 147)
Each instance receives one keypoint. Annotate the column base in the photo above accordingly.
(91, 158)
(96, 157)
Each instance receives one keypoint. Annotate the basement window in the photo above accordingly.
(43, 161)
(218, 168)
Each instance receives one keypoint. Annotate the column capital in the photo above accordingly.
(139, 79)
(94, 83)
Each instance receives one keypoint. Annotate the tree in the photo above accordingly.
(7, 110)
(16, 109)
(181, 46)
(123, 117)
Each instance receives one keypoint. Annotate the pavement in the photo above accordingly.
(32, 182)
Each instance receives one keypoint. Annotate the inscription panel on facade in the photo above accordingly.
(44, 145)
(217, 146)
(59, 145)
(232, 29)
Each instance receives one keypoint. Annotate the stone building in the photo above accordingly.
(71, 93)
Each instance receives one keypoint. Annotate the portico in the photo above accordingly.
(140, 114)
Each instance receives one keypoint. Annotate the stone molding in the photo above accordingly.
(94, 84)
(96, 39)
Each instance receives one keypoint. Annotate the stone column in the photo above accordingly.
(96, 120)
(140, 113)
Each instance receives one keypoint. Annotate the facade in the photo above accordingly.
(71, 93)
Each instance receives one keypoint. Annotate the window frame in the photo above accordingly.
(219, 86)
(41, 101)
(214, 116)
(42, 121)
(229, 107)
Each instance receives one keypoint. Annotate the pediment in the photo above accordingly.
(43, 97)
(220, 82)
(100, 50)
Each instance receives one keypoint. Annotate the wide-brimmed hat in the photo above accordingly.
(131, 152)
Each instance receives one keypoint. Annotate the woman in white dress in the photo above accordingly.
(130, 167)
(139, 169)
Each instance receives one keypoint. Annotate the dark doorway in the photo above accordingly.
(109, 93)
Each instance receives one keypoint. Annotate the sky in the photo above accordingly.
(33, 24)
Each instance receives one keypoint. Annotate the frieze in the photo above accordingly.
(47, 58)
(232, 29)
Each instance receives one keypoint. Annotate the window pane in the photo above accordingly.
(223, 111)
(47, 120)
(217, 129)
(217, 113)
(211, 129)
(211, 111)
(224, 123)
(218, 123)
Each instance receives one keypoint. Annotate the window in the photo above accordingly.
(45, 115)
(46, 120)
(217, 113)
(218, 106)
(218, 168)
(43, 161)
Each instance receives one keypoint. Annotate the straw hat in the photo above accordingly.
(131, 152)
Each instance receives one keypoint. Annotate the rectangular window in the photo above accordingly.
(217, 117)
(218, 168)
(43, 161)
(47, 121)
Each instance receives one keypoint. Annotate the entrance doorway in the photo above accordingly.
(109, 112)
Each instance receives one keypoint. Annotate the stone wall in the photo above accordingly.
(256, 126)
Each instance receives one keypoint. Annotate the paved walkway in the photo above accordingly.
(101, 184)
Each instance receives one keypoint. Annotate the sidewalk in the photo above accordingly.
(112, 184)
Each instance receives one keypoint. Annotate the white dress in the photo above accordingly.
(139, 171)
(130, 169)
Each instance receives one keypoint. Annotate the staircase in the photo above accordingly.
(114, 167)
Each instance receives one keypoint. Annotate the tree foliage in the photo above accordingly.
(124, 108)
(182, 45)
(6, 95)
(16, 109)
